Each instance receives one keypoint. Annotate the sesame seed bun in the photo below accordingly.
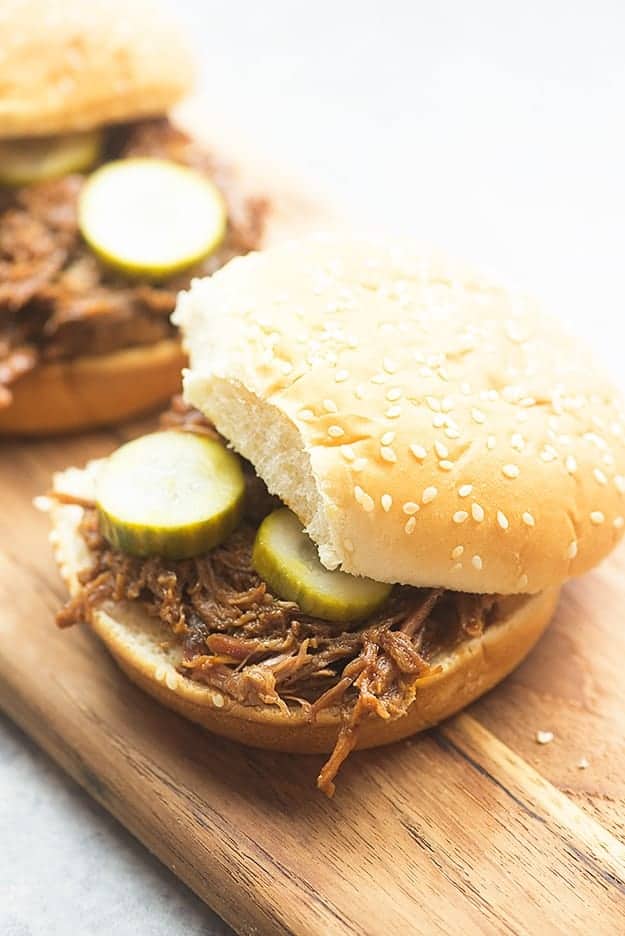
(428, 426)
(71, 65)
(144, 650)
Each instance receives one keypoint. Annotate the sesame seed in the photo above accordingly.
(433, 403)
(452, 433)
(571, 551)
(359, 464)
(410, 525)
(286, 367)
(618, 523)
(389, 365)
(597, 517)
(457, 551)
(347, 452)
(365, 500)
(465, 388)
(335, 432)
(600, 477)
(477, 415)
(393, 412)
(438, 420)
(387, 438)
(349, 546)
(393, 394)
(511, 394)
(571, 464)
(360, 392)
(544, 737)
(418, 451)
(464, 490)
(388, 454)
(445, 465)
(548, 454)
(502, 520)
(378, 379)
(387, 502)
(441, 449)
(429, 494)
(447, 404)
(528, 519)
(619, 481)
(330, 406)
(341, 375)
(511, 471)
(517, 442)
(460, 516)
(523, 580)
(306, 415)
(477, 512)
(491, 442)
(410, 508)
(476, 562)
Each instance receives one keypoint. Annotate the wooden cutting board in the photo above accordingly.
(472, 828)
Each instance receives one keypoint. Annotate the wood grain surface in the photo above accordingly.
(471, 828)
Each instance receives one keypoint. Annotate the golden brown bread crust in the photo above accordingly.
(75, 64)
(101, 390)
(139, 644)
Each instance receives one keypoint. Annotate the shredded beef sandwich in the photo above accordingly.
(365, 522)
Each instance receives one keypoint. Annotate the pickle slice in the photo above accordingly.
(286, 558)
(150, 217)
(35, 159)
(169, 494)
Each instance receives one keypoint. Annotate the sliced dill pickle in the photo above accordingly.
(169, 494)
(151, 217)
(286, 558)
(35, 159)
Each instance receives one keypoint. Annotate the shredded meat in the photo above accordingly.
(239, 638)
(58, 301)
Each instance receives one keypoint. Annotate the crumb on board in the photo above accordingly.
(544, 737)
(583, 763)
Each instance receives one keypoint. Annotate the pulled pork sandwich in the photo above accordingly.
(388, 467)
(107, 209)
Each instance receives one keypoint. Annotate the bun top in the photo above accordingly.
(75, 64)
(427, 425)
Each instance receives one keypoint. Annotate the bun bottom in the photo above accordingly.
(91, 391)
(143, 649)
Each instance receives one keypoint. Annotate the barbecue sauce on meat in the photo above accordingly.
(239, 638)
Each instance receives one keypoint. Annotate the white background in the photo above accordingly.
(492, 129)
